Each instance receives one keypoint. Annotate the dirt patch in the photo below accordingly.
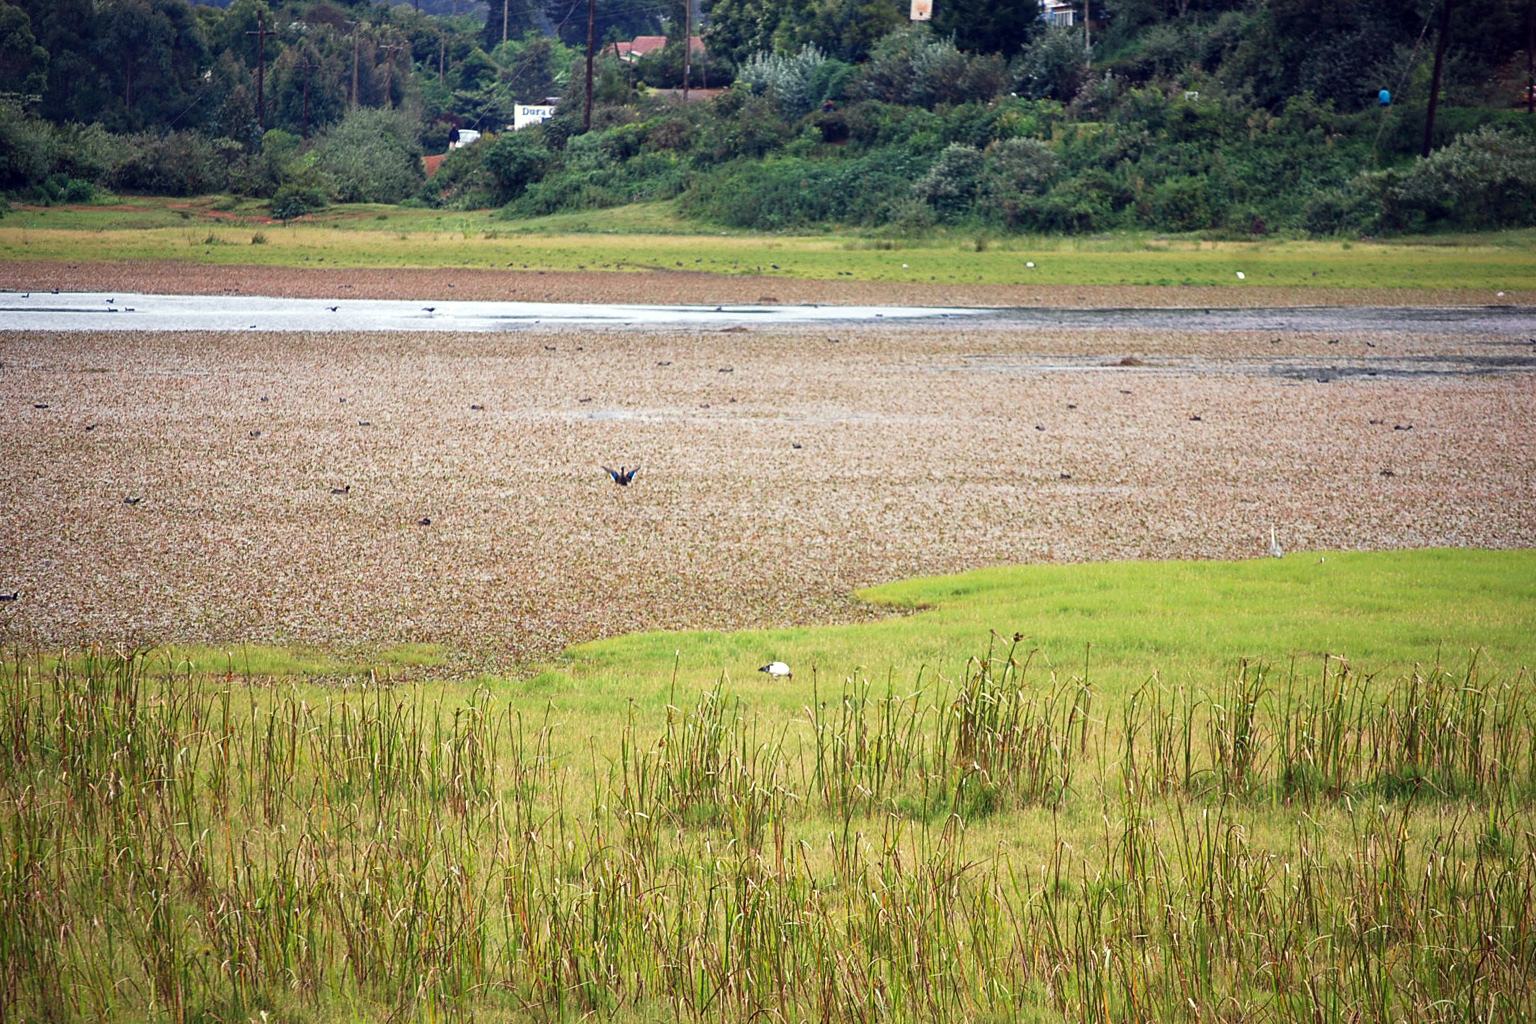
(661, 286)
(473, 509)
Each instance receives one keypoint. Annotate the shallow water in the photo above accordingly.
(98, 311)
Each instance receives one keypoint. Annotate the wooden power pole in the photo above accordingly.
(687, 45)
(586, 119)
(1434, 84)
(261, 34)
(307, 67)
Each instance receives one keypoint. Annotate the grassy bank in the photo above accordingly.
(645, 238)
(994, 839)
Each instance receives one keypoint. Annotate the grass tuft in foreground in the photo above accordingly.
(184, 846)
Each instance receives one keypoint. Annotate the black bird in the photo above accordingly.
(424, 521)
(90, 426)
(365, 423)
(39, 405)
(478, 407)
(623, 475)
(255, 433)
(333, 308)
(132, 501)
(13, 595)
(342, 490)
(429, 309)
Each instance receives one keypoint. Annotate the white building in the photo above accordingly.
(1058, 12)
(532, 113)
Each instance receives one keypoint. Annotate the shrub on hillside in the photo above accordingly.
(914, 67)
(789, 79)
(794, 193)
(953, 182)
(372, 156)
(514, 161)
(167, 164)
(1486, 179)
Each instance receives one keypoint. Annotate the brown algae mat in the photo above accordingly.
(342, 489)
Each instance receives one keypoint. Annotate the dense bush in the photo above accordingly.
(167, 164)
(796, 82)
(514, 161)
(1482, 180)
(795, 193)
(371, 156)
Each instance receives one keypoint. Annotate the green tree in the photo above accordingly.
(988, 26)
(1055, 65)
(23, 63)
(67, 29)
(153, 55)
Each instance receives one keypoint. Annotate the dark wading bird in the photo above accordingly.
(623, 475)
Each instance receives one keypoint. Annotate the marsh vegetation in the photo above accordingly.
(1004, 843)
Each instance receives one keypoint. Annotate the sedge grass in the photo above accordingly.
(183, 847)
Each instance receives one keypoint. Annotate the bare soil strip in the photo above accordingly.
(174, 278)
(344, 489)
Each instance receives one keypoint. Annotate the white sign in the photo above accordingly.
(527, 115)
(922, 10)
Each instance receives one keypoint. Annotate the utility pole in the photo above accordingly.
(1530, 58)
(261, 34)
(1434, 85)
(307, 67)
(586, 120)
(687, 44)
(355, 40)
(505, 8)
(442, 58)
(389, 71)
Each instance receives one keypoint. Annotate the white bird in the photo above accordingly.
(778, 670)
(1275, 550)
(1240, 275)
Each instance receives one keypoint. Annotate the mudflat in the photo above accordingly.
(357, 489)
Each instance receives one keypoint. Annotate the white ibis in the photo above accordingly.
(777, 670)
(1275, 550)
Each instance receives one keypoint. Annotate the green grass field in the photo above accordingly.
(649, 237)
(1190, 622)
(938, 823)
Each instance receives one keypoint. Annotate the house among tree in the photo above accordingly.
(640, 46)
(1058, 12)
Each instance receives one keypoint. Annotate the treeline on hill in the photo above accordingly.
(1232, 116)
